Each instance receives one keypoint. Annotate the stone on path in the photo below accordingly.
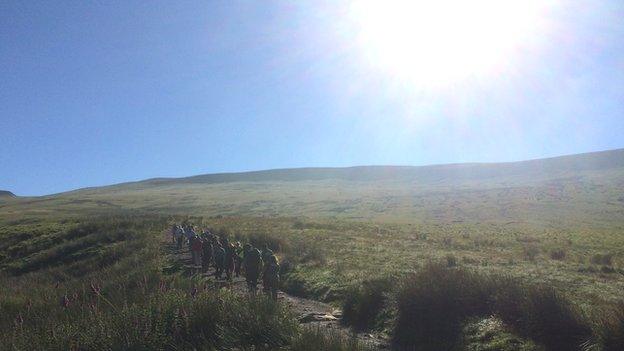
(317, 317)
(337, 313)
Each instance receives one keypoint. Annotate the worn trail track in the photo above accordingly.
(312, 313)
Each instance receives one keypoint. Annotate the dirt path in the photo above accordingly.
(312, 313)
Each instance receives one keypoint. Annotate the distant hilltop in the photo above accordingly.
(562, 192)
(546, 167)
(5, 193)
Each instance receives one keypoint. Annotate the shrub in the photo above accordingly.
(541, 314)
(362, 305)
(607, 269)
(433, 303)
(610, 331)
(602, 259)
(557, 254)
(531, 252)
(451, 261)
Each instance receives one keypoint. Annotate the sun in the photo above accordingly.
(440, 42)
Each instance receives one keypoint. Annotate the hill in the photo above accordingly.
(6, 194)
(385, 242)
(550, 167)
(572, 190)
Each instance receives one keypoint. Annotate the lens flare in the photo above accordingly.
(439, 42)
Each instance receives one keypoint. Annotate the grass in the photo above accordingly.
(611, 328)
(312, 339)
(435, 304)
(173, 320)
(115, 294)
(46, 261)
(364, 304)
(554, 232)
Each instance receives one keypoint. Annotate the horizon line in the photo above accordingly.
(309, 168)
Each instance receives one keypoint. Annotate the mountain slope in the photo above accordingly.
(583, 189)
(595, 161)
(6, 194)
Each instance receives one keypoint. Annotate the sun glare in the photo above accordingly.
(440, 42)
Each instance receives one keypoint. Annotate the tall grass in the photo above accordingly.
(611, 328)
(102, 285)
(313, 339)
(170, 320)
(114, 295)
(542, 314)
(435, 302)
(363, 305)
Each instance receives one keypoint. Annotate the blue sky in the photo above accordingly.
(95, 93)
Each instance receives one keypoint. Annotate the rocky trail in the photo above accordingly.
(311, 313)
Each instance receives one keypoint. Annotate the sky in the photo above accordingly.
(97, 93)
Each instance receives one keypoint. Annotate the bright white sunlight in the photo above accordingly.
(440, 42)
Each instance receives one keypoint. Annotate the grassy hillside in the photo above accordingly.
(386, 243)
(6, 194)
(110, 284)
(580, 190)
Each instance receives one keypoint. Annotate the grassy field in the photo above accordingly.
(551, 228)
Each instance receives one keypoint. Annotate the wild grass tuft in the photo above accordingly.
(432, 304)
(610, 331)
(435, 302)
(363, 304)
(313, 339)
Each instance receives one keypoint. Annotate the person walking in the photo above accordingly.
(174, 232)
(270, 279)
(197, 247)
(190, 234)
(266, 256)
(238, 258)
(180, 235)
(230, 261)
(252, 264)
(207, 253)
(219, 257)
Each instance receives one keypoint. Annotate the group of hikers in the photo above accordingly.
(230, 258)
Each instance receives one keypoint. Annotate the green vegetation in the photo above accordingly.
(474, 257)
(434, 303)
(109, 284)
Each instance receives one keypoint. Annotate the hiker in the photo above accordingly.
(207, 253)
(270, 279)
(206, 234)
(266, 253)
(266, 256)
(196, 250)
(238, 258)
(190, 234)
(219, 257)
(252, 263)
(174, 233)
(230, 261)
(180, 235)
